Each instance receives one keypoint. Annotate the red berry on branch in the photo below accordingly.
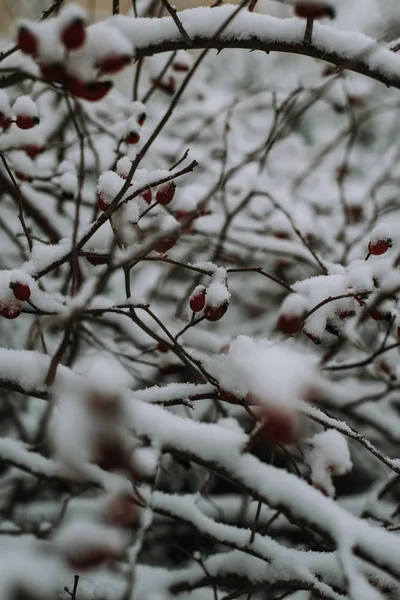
(112, 64)
(313, 10)
(215, 313)
(379, 246)
(26, 122)
(141, 119)
(166, 243)
(165, 193)
(133, 137)
(21, 291)
(27, 41)
(74, 35)
(32, 150)
(290, 324)
(101, 203)
(147, 195)
(198, 299)
(375, 314)
(92, 92)
(22, 176)
(162, 348)
(53, 71)
(180, 67)
(280, 427)
(5, 122)
(10, 311)
(97, 259)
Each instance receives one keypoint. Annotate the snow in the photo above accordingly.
(327, 454)
(25, 106)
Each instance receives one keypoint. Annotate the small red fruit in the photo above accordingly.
(5, 122)
(215, 313)
(22, 176)
(27, 41)
(280, 427)
(21, 291)
(111, 455)
(92, 92)
(375, 314)
(26, 122)
(147, 195)
(141, 119)
(101, 203)
(74, 35)
(113, 64)
(166, 244)
(121, 511)
(97, 259)
(313, 10)
(379, 247)
(53, 72)
(162, 348)
(132, 137)
(290, 324)
(180, 67)
(165, 193)
(197, 301)
(10, 311)
(32, 150)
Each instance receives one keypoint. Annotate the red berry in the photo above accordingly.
(10, 311)
(379, 247)
(215, 313)
(147, 195)
(22, 176)
(92, 92)
(5, 122)
(162, 348)
(280, 427)
(166, 244)
(25, 122)
(33, 150)
(355, 213)
(132, 137)
(141, 119)
(346, 314)
(113, 64)
(180, 67)
(165, 192)
(290, 324)
(375, 314)
(313, 10)
(53, 72)
(111, 455)
(101, 203)
(21, 291)
(74, 35)
(121, 511)
(27, 41)
(97, 259)
(281, 235)
(197, 301)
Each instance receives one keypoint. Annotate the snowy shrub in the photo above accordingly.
(199, 304)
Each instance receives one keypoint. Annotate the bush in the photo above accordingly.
(199, 295)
